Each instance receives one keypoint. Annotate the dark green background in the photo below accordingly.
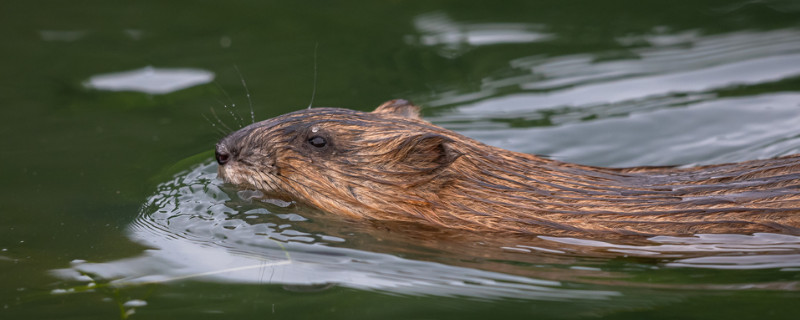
(78, 163)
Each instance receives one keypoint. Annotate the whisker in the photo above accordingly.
(247, 93)
(214, 113)
(236, 117)
(314, 88)
(214, 125)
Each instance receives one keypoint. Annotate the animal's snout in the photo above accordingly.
(222, 154)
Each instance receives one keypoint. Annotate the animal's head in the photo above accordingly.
(359, 164)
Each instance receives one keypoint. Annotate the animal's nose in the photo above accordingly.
(222, 154)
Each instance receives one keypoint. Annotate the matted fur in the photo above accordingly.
(391, 165)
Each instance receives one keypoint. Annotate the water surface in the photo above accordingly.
(111, 206)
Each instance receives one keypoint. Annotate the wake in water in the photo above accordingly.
(199, 229)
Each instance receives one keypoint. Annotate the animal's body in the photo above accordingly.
(391, 165)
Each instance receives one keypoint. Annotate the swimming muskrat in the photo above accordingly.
(391, 165)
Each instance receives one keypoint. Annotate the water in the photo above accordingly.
(201, 230)
(111, 207)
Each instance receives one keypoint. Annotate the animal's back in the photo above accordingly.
(391, 165)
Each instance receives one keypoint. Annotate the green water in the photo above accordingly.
(614, 83)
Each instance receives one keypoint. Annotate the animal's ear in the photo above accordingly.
(425, 153)
(399, 107)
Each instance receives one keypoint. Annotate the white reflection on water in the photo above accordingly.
(714, 131)
(703, 63)
(728, 251)
(454, 38)
(62, 35)
(751, 71)
(662, 106)
(150, 80)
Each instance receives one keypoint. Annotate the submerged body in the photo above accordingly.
(390, 165)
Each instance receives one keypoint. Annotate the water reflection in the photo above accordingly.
(715, 131)
(199, 230)
(667, 65)
(454, 38)
(150, 80)
(62, 35)
(666, 99)
(716, 251)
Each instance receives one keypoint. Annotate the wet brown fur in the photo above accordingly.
(390, 165)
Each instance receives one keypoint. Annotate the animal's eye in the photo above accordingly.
(317, 141)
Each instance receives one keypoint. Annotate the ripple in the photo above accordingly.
(195, 234)
(753, 71)
(454, 38)
(720, 251)
(695, 64)
(714, 131)
(673, 98)
(200, 231)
